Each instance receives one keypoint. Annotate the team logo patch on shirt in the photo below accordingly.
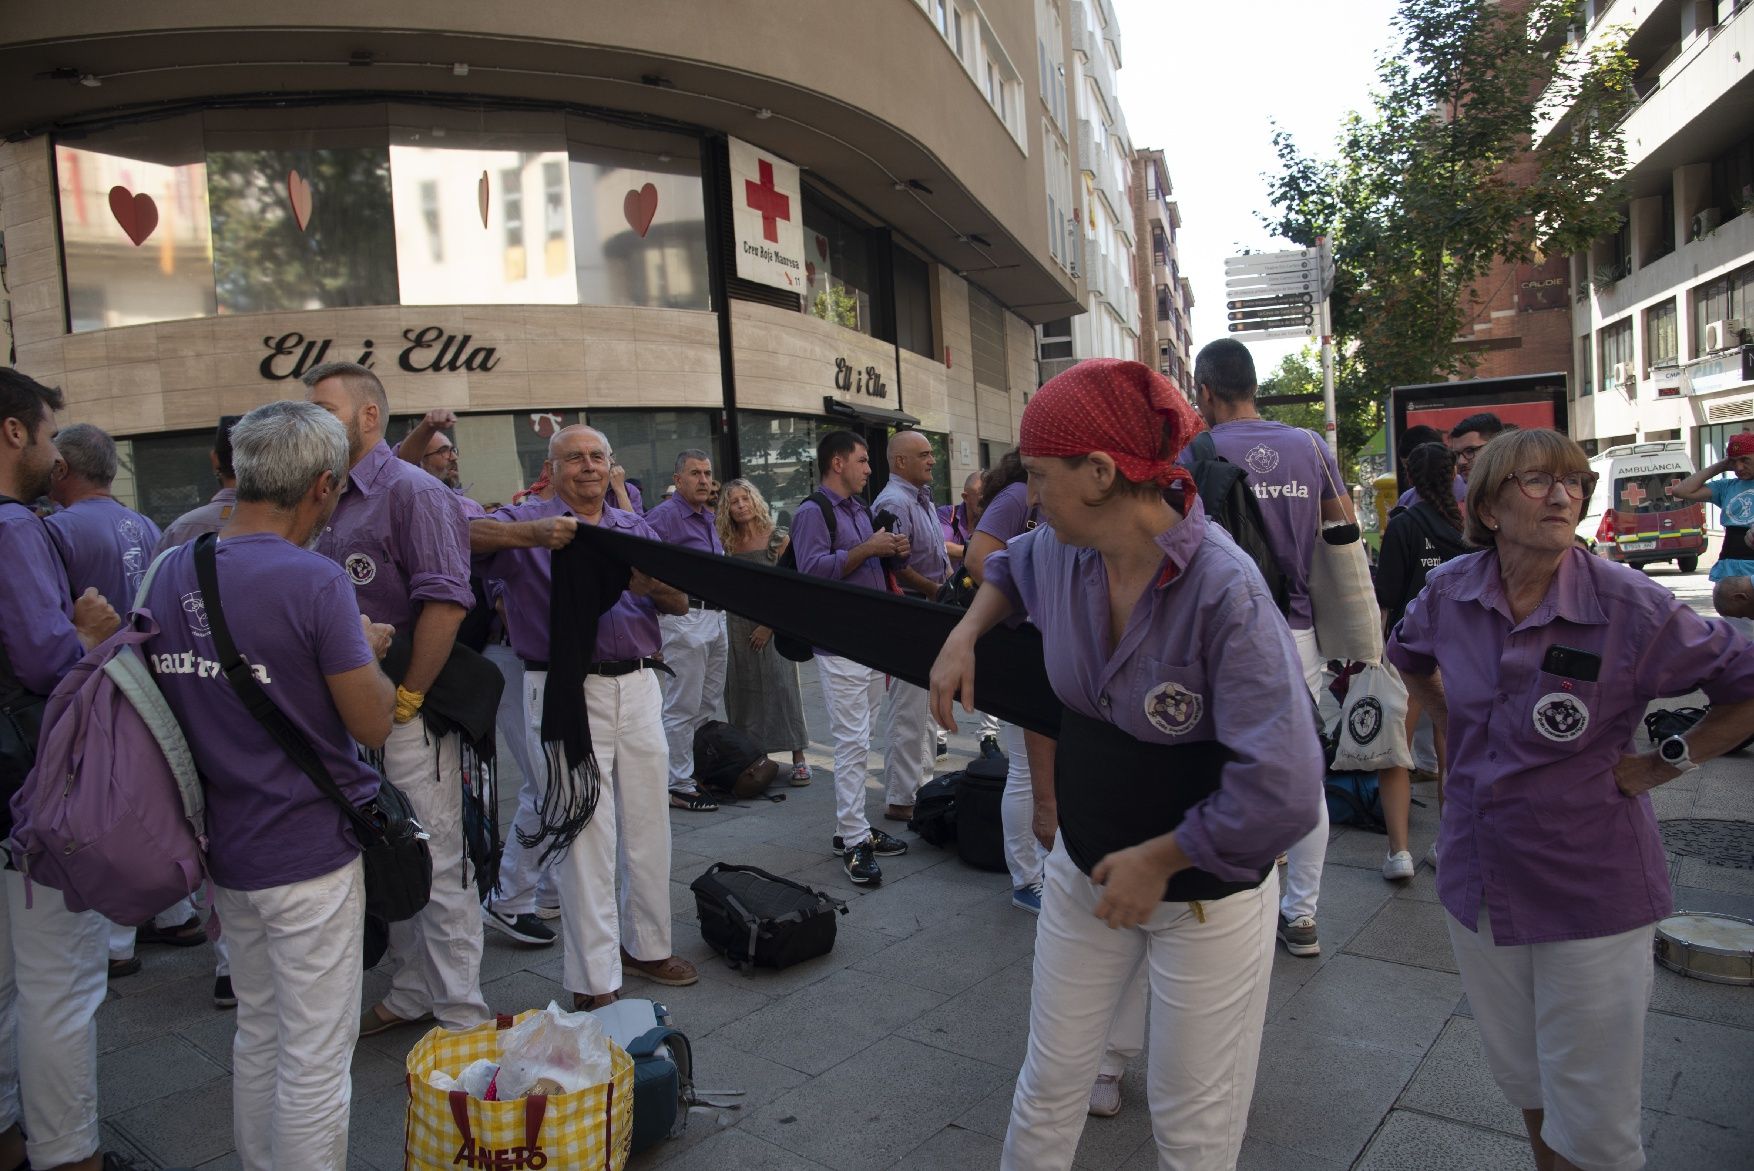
(1365, 720)
(196, 609)
(360, 568)
(1561, 717)
(1739, 510)
(1173, 709)
(1261, 459)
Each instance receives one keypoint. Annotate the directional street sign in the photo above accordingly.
(1270, 334)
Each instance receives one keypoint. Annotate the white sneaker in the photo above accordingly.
(1397, 866)
(1431, 856)
(1105, 1095)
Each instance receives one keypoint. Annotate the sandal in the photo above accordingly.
(696, 802)
(375, 1020)
(800, 775)
(672, 971)
(585, 1002)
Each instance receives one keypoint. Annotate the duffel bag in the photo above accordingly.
(752, 917)
(934, 816)
(980, 827)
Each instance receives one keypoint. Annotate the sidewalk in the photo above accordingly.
(901, 1047)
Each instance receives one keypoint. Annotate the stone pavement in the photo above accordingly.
(901, 1047)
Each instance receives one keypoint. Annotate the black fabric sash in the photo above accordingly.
(1115, 792)
(897, 635)
(1736, 547)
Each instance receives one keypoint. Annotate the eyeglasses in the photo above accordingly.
(1466, 454)
(1539, 485)
(448, 449)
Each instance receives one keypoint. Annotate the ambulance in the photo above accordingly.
(1633, 517)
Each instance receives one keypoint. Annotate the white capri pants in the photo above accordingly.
(1023, 854)
(1563, 1029)
(1208, 984)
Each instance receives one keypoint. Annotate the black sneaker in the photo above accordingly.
(223, 996)
(882, 844)
(990, 749)
(861, 865)
(525, 928)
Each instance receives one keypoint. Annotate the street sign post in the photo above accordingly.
(1285, 294)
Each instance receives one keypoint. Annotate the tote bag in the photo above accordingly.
(1342, 599)
(1372, 732)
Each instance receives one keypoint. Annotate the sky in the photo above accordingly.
(1204, 81)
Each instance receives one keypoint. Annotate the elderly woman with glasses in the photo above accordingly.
(1553, 872)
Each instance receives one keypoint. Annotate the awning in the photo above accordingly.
(836, 406)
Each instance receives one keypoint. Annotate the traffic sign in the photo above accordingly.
(1240, 330)
(1299, 282)
(1265, 261)
(1300, 298)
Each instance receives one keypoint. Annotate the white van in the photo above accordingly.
(1633, 518)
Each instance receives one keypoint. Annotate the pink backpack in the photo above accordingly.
(112, 816)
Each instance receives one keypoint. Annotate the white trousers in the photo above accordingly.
(694, 648)
(1303, 861)
(615, 877)
(908, 754)
(296, 951)
(1024, 856)
(437, 953)
(853, 693)
(1208, 983)
(53, 976)
(1563, 1029)
(512, 735)
(122, 938)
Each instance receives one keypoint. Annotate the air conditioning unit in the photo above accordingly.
(1721, 335)
(1622, 373)
(1707, 222)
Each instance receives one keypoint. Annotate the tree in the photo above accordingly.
(1447, 178)
(1301, 373)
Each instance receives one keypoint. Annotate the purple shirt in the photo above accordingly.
(677, 523)
(1411, 496)
(852, 526)
(1291, 472)
(295, 618)
(107, 546)
(36, 604)
(401, 538)
(1206, 630)
(1532, 821)
(470, 508)
(633, 498)
(628, 631)
(209, 518)
(916, 518)
(1010, 513)
(954, 528)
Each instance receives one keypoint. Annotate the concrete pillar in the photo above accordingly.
(1692, 194)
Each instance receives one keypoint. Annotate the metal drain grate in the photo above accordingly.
(1713, 840)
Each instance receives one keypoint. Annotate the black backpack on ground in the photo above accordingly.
(1665, 722)
(1224, 491)
(980, 827)
(728, 761)
(934, 816)
(760, 920)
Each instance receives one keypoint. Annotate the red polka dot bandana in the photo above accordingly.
(1118, 408)
(1741, 443)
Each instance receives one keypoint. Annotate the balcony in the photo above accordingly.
(1089, 157)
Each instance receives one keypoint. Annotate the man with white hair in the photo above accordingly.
(695, 649)
(614, 874)
(404, 543)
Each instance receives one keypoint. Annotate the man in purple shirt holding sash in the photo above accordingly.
(694, 643)
(209, 517)
(614, 877)
(404, 543)
(52, 975)
(853, 691)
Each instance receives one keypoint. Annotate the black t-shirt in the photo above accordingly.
(1417, 541)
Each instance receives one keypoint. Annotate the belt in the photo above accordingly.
(609, 667)
(695, 603)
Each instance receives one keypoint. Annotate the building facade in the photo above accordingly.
(1661, 309)
(691, 228)
(1165, 335)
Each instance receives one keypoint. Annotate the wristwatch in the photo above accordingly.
(1674, 752)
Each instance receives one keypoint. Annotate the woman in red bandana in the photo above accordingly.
(1187, 762)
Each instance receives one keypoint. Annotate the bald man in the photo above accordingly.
(907, 761)
(1734, 597)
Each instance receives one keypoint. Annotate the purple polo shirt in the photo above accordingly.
(1207, 631)
(36, 603)
(1532, 821)
(953, 526)
(1291, 472)
(676, 523)
(401, 538)
(917, 520)
(295, 617)
(628, 631)
(1010, 513)
(1411, 496)
(209, 518)
(814, 554)
(107, 546)
(470, 508)
(634, 499)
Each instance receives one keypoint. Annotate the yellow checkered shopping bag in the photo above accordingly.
(589, 1130)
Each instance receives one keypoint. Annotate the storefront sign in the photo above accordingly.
(429, 350)
(1719, 372)
(1546, 285)
(767, 217)
(866, 381)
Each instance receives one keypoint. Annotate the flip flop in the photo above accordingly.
(693, 802)
(375, 1020)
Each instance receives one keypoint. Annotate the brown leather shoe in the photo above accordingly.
(673, 971)
(898, 813)
(585, 1002)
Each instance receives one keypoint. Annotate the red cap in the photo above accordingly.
(1741, 443)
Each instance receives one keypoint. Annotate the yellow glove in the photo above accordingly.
(408, 704)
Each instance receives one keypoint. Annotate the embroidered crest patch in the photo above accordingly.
(361, 569)
(1561, 717)
(1261, 459)
(1365, 720)
(1173, 709)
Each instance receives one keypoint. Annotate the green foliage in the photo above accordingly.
(1445, 179)
(837, 303)
(1301, 373)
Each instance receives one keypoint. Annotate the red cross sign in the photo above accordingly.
(767, 200)
(1634, 494)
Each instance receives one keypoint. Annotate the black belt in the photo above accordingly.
(609, 667)
(695, 603)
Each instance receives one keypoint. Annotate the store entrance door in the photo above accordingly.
(874, 425)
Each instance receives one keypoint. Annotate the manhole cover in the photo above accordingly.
(1713, 840)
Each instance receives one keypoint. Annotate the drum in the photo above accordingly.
(1707, 946)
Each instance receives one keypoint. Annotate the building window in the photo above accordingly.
(1055, 340)
(986, 324)
(1614, 354)
(957, 19)
(638, 224)
(1728, 298)
(943, 8)
(913, 304)
(779, 457)
(1586, 368)
(1661, 340)
(1732, 179)
(838, 276)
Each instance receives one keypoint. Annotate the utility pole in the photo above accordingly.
(1330, 425)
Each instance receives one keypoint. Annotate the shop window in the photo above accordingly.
(837, 269)
(646, 443)
(170, 474)
(913, 304)
(639, 227)
(779, 457)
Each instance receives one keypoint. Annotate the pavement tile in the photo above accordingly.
(522, 990)
(1678, 995)
(1453, 1082)
(1694, 898)
(152, 1070)
(825, 1023)
(124, 1021)
(901, 908)
(1375, 1002)
(1299, 1104)
(884, 1101)
(1700, 873)
(1674, 1143)
(733, 1148)
(700, 1009)
(851, 944)
(1415, 1142)
(686, 865)
(952, 1149)
(1724, 795)
(1255, 1156)
(954, 954)
(199, 1129)
(377, 1129)
(989, 1021)
(1698, 1070)
(1407, 931)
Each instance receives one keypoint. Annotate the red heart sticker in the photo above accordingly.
(298, 194)
(137, 214)
(822, 247)
(639, 207)
(810, 270)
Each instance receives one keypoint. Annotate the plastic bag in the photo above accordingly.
(567, 1049)
(477, 1079)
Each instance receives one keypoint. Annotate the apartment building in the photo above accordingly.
(1165, 337)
